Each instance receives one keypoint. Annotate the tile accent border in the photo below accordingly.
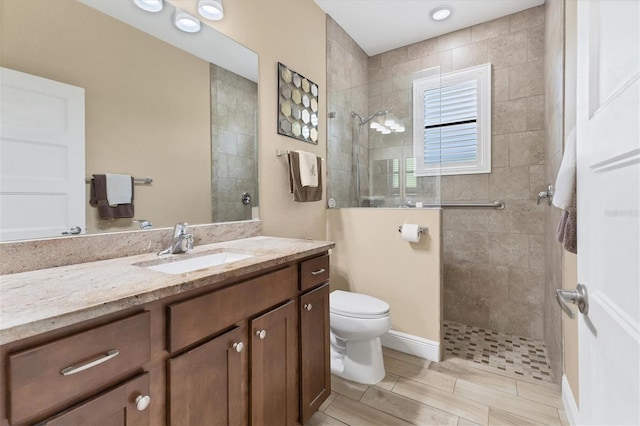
(569, 402)
(412, 345)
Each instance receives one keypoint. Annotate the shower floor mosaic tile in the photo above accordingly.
(517, 355)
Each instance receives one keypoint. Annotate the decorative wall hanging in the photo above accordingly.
(297, 105)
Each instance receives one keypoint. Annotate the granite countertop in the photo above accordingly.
(39, 301)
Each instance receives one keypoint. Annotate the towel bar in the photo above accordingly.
(145, 181)
(280, 153)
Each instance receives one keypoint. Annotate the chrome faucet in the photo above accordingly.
(181, 242)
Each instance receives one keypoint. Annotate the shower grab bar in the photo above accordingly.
(498, 205)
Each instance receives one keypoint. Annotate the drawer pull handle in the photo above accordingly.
(308, 306)
(142, 402)
(318, 272)
(261, 334)
(73, 370)
(238, 346)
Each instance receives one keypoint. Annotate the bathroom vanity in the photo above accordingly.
(115, 342)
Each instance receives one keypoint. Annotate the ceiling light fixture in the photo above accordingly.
(185, 22)
(211, 9)
(149, 5)
(440, 13)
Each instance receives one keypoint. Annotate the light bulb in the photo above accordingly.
(211, 9)
(440, 13)
(149, 5)
(186, 22)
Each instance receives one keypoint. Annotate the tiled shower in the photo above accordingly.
(494, 263)
(234, 127)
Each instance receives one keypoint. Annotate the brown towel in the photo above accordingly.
(98, 198)
(303, 193)
(567, 232)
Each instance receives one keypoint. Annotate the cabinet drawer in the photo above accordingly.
(198, 318)
(313, 272)
(118, 406)
(60, 372)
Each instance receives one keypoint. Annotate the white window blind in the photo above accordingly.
(452, 116)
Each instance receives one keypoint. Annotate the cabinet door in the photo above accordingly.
(274, 367)
(208, 384)
(118, 407)
(315, 367)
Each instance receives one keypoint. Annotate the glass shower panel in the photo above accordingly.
(371, 153)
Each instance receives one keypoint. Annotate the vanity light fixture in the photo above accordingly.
(149, 5)
(440, 13)
(185, 22)
(211, 9)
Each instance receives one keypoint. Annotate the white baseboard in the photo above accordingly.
(569, 402)
(412, 345)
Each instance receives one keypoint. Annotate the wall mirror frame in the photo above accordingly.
(195, 134)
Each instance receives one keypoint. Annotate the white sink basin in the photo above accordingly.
(195, 263)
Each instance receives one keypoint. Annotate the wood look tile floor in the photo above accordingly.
(452, 392)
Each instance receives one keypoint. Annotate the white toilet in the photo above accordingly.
(357, 321)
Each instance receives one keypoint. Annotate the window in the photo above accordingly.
(452, 116)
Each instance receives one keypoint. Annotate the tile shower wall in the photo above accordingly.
(554, 126)
(234, 112)
(347, 90)
(494, 264)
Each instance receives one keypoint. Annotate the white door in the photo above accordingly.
(608, 135)
(42, 181)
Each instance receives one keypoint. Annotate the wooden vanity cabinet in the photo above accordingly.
(274, 367)
(315, 355)
(208, 385)
(315, 367)
(50, 377)
(249, 351)
(120, 406)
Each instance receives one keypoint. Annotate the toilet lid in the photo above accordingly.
(357, 305)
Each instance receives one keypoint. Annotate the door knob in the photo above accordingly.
(238, 346)
(308, 306)
(142, 402)
(578, 297)
(261, 334)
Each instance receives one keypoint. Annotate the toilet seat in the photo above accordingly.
(356, 305)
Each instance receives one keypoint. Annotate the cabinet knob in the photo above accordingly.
(308, 306)
(238, 346)
(142, 402)
(261, 334)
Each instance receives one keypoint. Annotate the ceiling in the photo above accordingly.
(382, 25)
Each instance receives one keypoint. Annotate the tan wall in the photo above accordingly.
(371, 258)
(294, 33)
(142, 117)
(570, 273)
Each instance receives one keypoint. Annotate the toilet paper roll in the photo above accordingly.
(411, 232)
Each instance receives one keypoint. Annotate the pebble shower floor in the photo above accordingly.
(518, 355)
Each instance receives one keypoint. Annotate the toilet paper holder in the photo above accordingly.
(421, 230)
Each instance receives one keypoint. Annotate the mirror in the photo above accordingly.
(177, 108)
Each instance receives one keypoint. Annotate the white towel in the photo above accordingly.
(565, 188)
(308, 169)
(119, 189)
